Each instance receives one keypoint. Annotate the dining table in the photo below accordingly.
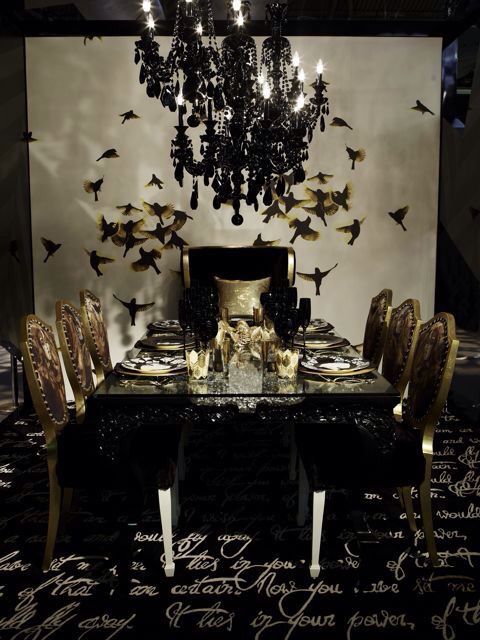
(245, 387)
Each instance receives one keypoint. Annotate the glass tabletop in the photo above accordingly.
(247, 377)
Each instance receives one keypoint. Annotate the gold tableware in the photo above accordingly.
(286, 363)
(197, 364)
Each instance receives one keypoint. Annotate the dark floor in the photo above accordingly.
(241, 561)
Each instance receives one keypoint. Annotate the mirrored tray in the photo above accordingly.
(334, 364)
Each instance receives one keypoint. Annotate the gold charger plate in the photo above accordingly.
(324, 342)
(335, 374)
(148, 374)
(154, 343)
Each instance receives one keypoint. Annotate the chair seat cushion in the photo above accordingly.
(373, 452)
(148, 458)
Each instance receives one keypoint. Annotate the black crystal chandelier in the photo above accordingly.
(253, 118)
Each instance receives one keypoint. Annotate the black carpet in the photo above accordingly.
(241, 561)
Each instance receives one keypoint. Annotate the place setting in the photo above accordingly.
(145, 365)
(164, 342)
(335, 364)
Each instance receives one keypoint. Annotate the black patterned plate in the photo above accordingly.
(319, 326)
(335, 364)
(165, 326)
(320, 341)
(164, 342)
(156, 365)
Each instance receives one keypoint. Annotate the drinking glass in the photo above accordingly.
(305, 315)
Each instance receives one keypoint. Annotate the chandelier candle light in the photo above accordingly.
(254, 120)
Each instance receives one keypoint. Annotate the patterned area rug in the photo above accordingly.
(241, 561)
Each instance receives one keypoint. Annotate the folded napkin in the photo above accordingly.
(335, 366)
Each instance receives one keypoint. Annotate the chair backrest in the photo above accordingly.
(44, 375)
(237, 263)
(76, 356)
(376, 326)
(432, 371)
(95, 333)
(400, 343)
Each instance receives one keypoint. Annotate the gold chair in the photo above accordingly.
(376, 327)
(373, 452)
(76, 356)
(96, 334)
(72, 457)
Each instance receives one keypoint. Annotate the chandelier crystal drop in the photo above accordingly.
(251, 119)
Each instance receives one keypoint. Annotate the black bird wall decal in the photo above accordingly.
(318, 195)
(131, 241)
(340, 122)
(421, 108)
(134, 308)
(353, 229)
(27, 136)
(303, 229)
(320, 211)
(50, 246)
(290, 202)
(474, 212)
(258, 242)
(320, 177)
(128, 115)
(155, 182)
(342, 197)
(127, 209)
(147, 260)
(316, 277)
(13, 249)
(179, 219)
(107, 229)
(399, 216)
(90, 38)
(93, 187)
(274, 211)
(109, 153)
(289, 180)
(159, 233)
(96, 261)
(125, 235)
(175, 242)
(161, 211)
(358, 155)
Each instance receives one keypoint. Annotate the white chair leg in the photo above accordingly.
(165, 503)
(302, 494)
(293, 456)
(181, 458)
(175, 502)
(317, 522)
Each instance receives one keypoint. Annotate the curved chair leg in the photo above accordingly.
(302, 494)
(408, 506)
(165, 503)
(53, 514)
(426, 510)
(317, 522)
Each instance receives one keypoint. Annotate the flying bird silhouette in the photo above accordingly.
(127, 208)
(474, 212)
(339, 122)
(109, 153)
(125, 235)
(322, 178)
(93, 187)
(147, 259)
(290, 202)
(96, 261)
(50, 246)
(179, 219)
(289, 180)
(303, 229)
(258, 242)
(421, 108)
(356, 155)
(159, 233)
(128, 115)
(320, 210)
(318, 195)
(274, 211)
(161, 211)
(134, 308)
(353, 229)
(155, 182)
(175, 242)
(90, 38)
(107, 229)
(131, 241)
(399, 216)
(316, 277)
(342, 197)
(27, 136)
(13, 249)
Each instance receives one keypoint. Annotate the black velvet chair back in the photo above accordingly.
(200, 264)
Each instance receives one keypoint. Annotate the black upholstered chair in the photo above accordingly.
(147, 456)
(373, 451)
(201, 264)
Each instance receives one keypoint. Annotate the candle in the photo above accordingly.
(320, 68)
(146, 5)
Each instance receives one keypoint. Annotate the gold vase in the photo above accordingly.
(286, 363)
(197, 364)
